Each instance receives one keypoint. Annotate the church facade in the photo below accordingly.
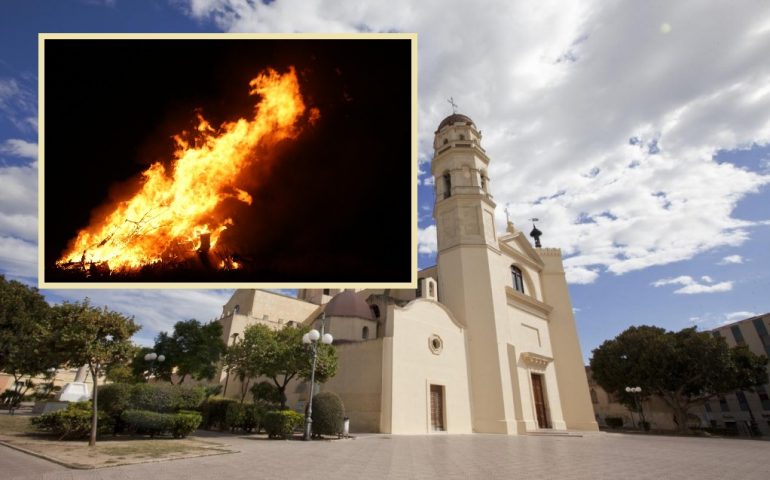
(487, 342)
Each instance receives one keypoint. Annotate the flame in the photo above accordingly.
(174, 206)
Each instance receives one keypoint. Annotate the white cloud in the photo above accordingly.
(18, 102)
(18, 202)
(19, 148)
(560, 87)
(426, 240)
(691, 286)
(18, 258)
(735, 316)
(707, 279)
(730, 259)
(155, 310)
(580, 275)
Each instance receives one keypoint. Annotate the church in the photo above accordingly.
(487, 343)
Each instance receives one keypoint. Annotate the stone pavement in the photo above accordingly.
(594, 456)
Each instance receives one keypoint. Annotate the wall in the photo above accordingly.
(415, 367)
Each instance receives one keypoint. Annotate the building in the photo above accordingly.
(487, 342)
(745, 412)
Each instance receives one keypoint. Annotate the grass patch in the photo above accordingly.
(150, 448)
(15, 424)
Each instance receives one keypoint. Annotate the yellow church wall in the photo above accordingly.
(568, 364)
(415, 367)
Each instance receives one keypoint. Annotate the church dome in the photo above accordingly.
(455, 118)
(348, 304)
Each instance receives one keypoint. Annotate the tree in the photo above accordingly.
(684, 368)
(280, 356)
(96, 337)
(131, 371)
(193, 349)
(26, 344)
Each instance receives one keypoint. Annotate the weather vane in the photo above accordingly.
(454, 105)
(507, 218)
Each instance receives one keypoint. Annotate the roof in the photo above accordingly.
(455, 118)
(348, 304)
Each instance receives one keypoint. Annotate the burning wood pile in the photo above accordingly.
(176, 218)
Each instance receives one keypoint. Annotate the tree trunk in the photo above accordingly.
(94, 416)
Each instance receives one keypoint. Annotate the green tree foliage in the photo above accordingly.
(93, 336)
(72, 422)
(684, 368)
(26, 343)
(130, 371)
(193, 350)
(265, 393)
(280, 356)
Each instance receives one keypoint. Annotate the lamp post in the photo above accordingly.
(227, 377)
(635, 392)
(312, 338)
(152, 357)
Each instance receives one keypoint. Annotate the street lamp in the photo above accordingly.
(311, 338)
(636, 393)
(152, 357)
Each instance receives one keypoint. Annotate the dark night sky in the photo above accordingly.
(336, 206)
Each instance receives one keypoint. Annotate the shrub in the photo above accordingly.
(152, 423)
(214, 411)
(185, 422)
(154, 397)
(328, 414)
(73, 422)
(148, 423)
(189, 397)
(281, 423)
(614, 422)
(246, 417)
(114, 398)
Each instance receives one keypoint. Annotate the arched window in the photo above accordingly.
(447, 185)
(365, 333)
(326, 291)
(594, 397)
(446, 141)
(462, 137)
(237, 309)
(518, 280)
(375, 311)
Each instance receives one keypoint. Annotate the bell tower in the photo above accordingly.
(464, 210)
(469, 270)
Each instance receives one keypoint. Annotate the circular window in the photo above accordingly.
(435, 344)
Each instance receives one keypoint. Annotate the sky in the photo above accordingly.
(638, 133)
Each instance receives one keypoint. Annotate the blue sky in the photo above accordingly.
(638, 134)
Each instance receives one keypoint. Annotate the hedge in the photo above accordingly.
(281, 423)
(73, 422)
(214, 411)
(155, 397)
(246, 417)
(328, 414)
(614, 422)
(152, 423)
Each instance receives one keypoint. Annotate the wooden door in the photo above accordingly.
(540, 409)
(437, 408)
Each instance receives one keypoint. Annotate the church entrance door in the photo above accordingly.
(437, 408)
(540, 409)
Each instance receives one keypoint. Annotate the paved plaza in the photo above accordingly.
(594, 456)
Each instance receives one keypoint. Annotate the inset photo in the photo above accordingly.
(227, 160)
